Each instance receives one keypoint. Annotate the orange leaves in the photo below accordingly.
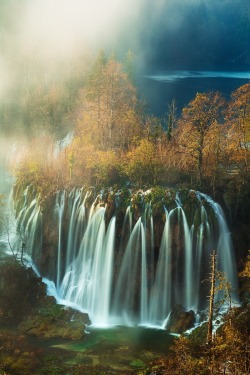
(198, 122)
(115, 140)
(144, 165)
(204, 110)
(238, 120)
(214, 136)
(90, 166)
(109, 116)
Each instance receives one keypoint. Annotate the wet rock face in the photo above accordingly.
(180, 320)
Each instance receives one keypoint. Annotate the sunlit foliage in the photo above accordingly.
(238, 118)
(107, 112)
(198, 122)
(116, 142)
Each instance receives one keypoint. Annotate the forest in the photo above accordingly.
(113, 140)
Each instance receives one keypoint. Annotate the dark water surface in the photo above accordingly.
(160, 88)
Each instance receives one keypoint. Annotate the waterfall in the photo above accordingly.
(188, 262)
(28, 239)
(161, 293)
(225, 253)
(107, 261)
(127, 283)
(59, 209)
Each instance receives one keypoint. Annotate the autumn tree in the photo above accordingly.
(215, 155)
(238, 119)
(93, 98)
(171, 118)
(104, 168)
(184, 358)
(246, 270)
(107, 113)
(195, 127)
(143, 165)
(231, 344)
(79, 157)
(185, 363)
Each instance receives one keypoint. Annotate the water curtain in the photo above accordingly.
(127, 263)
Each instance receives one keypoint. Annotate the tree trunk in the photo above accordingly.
(200, 159)
(211, 300)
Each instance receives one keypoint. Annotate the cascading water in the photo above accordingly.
(224, 247)
(59, 209)
(132, 275)
(29, 227)
(117, 263)
(160, 301)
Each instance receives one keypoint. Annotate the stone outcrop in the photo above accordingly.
(180, 320)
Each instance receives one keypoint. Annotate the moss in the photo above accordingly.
(198, 336)
(52, 321)
(137, 363)
(48, 327)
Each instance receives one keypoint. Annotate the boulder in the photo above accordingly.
(180, 320)
(50, 320)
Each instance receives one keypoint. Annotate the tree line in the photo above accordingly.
(116, 141)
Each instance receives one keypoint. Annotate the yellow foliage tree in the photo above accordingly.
(238, 119)
(143, 165)
(108, 113)
(195, 127)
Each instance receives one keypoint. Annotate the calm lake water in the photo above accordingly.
(160, 88)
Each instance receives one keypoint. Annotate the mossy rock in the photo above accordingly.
(55, 321)
(49, 327)
(198, 336)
